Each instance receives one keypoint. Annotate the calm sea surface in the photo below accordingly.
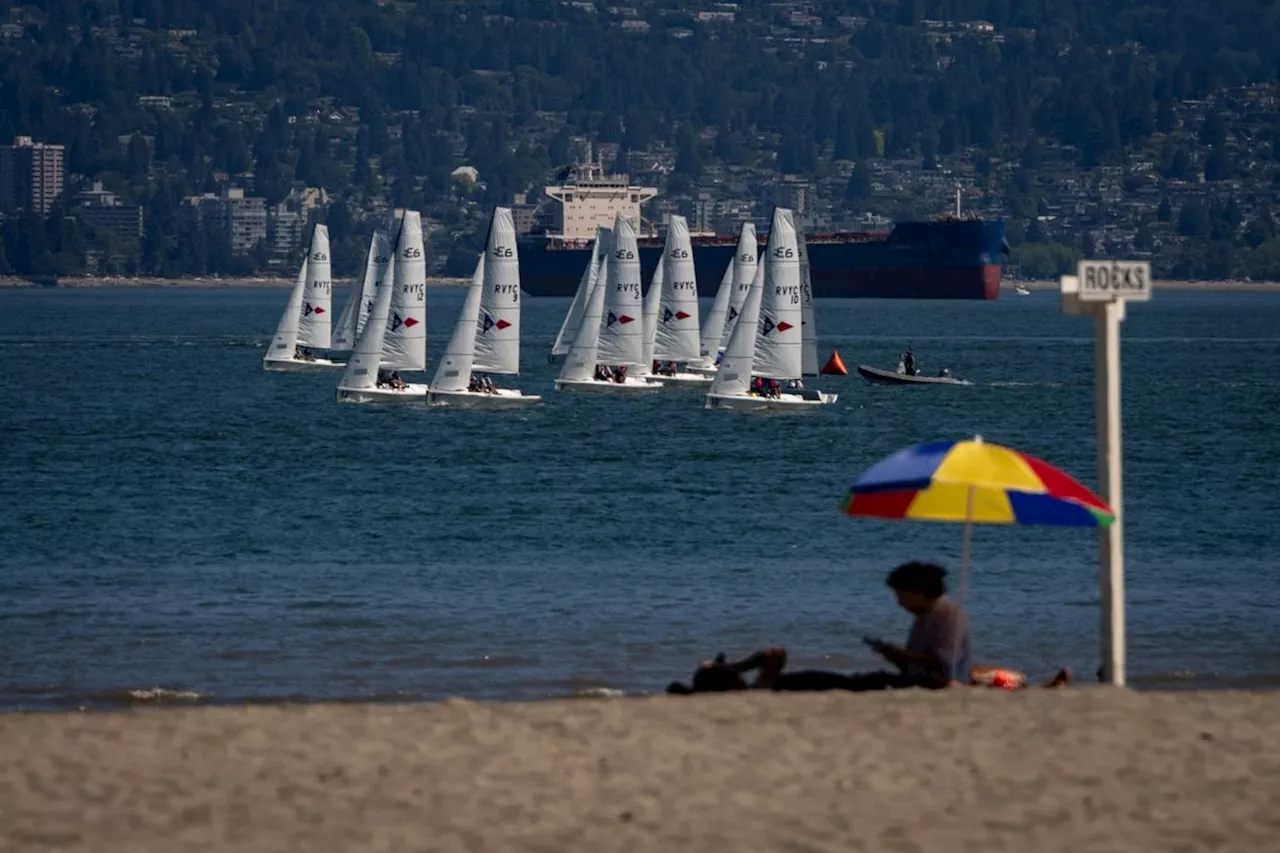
(177, 524)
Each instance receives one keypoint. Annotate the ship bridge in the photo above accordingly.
(590, 199)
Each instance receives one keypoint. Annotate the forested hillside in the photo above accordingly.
(805, 88)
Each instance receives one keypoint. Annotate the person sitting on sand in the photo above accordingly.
(935, 655)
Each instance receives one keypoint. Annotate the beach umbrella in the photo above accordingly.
(973, 482)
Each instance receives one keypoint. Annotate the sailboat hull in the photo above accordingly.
(595, 386)
(785, 403)
(683, 379)
(502, 398)
(413, 394)
(289, 365)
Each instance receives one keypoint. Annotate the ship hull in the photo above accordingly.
(916, 260)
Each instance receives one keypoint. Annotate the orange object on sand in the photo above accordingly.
(835, 366)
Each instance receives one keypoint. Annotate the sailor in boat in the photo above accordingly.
(795, 385)
(775, 390)
(669, 369)
(603, 373)
(396, 382)
(756, 388)
(384, 379)
(301, 353)
(936, 653)
(909, 362)
(475, 386)
(620, 375)
(486, 385)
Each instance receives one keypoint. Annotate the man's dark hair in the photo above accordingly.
(923, 578)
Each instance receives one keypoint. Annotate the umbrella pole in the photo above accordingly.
(965, 547)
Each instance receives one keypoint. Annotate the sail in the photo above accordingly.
(622, 337)
(744, 273)
(583, 357)
(573, 319)
(652, 301)
(677, 328)
(713, 326)
(405, 345)
(497, 348)
(361, 372)
(286, 338)
(778, 336)
(356, 311)
(808, 329)
(317, 297)
(454, 371)
(734, 376)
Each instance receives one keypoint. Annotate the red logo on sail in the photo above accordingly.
(503, 324)
(680, 315)
(410, 322)
(624, 319)
(782, 327)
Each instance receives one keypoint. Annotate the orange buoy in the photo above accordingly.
(835, 366)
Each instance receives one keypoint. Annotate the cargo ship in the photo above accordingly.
(953, 257)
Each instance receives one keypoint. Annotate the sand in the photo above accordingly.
(1093, 769)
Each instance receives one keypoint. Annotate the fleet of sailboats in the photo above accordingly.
(752, 349)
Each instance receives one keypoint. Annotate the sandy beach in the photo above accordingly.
(1091, 768)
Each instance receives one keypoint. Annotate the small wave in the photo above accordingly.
(600, 693)
(160, 695)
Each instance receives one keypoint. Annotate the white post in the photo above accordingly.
(1106, 348)
(1100, 289)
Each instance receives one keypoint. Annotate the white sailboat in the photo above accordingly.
(808, 328)
(610, 333)
(486, 338)
(304, 326)
(360, 381)
(396, 325)
(742, 273)
(767, 340)
(573, 319)
(360, 303)
(652, 302)
(675, 336)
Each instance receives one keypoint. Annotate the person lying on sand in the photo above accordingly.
(720, 676)
(936, 653)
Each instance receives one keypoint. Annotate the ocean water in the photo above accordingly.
(178, 525)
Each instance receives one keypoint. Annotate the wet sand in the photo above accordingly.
(1083, 769)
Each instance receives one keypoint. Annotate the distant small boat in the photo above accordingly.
(1021, 290)
(901, 377)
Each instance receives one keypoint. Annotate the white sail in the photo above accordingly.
(622, 337)
(677, 327)
(317, 297)
(405, 346)
(360, 303)
(734, 376)
(808, 329)
(744, 273)
(361, 372)
(580, 365)
(497, 348)
(652, 303)
(573, 319)
(778, 349)
(454, 371)
(713, 326)
(286, 337)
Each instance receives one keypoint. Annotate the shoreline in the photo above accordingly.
(86, 282)
(1085, 768)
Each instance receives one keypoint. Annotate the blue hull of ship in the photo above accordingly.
(916, 260)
